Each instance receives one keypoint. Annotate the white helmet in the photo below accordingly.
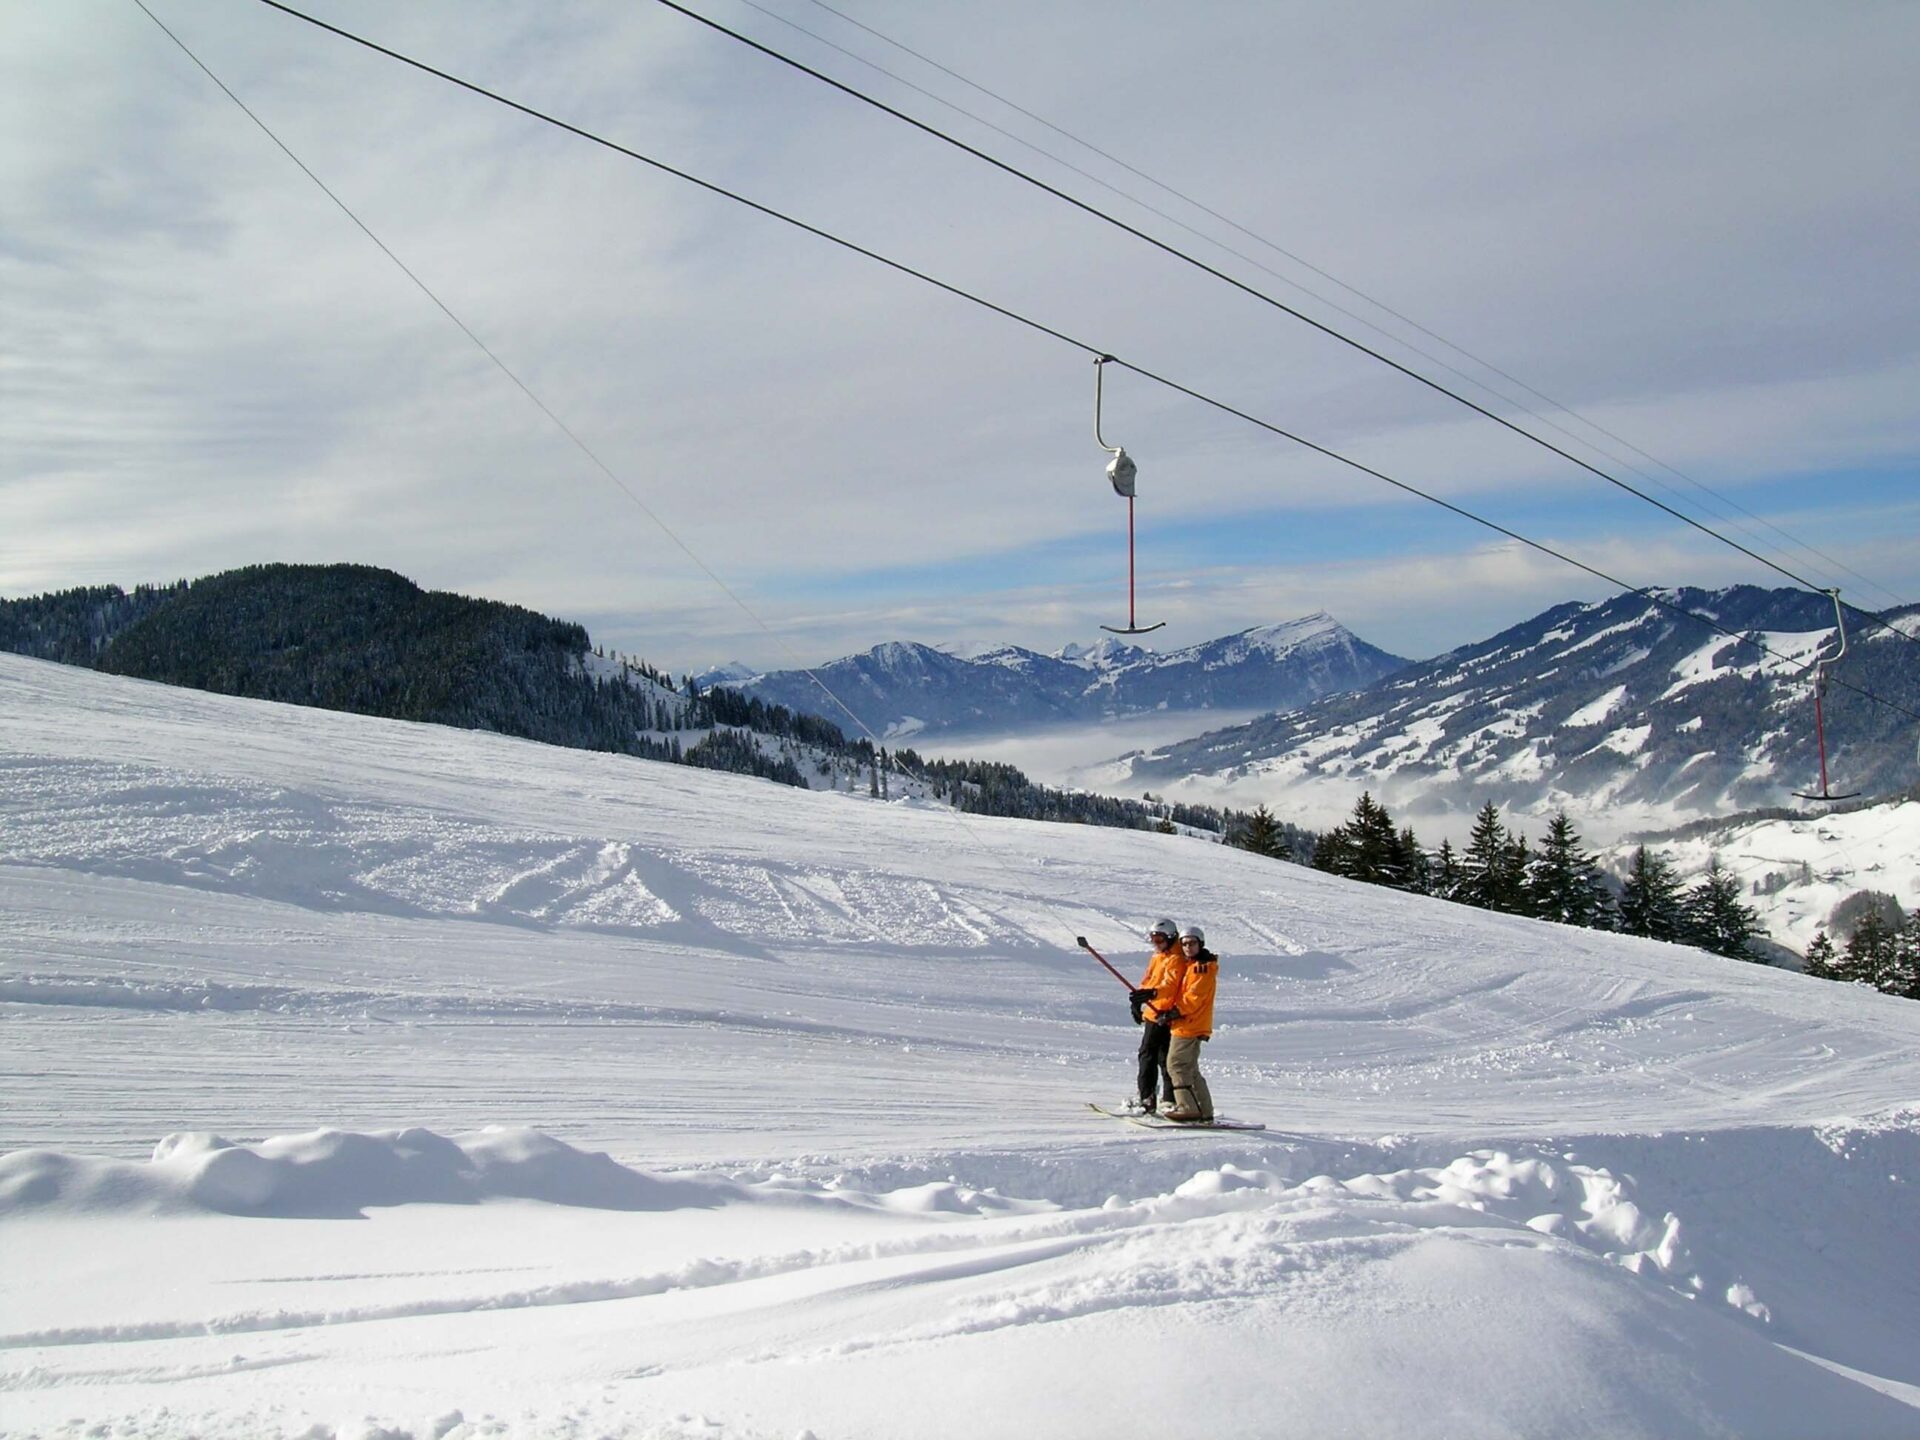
(1194, 932)
(1165, 928)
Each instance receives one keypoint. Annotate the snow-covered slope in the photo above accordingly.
(1519, 1180)
(901, 689)
(1624, 712)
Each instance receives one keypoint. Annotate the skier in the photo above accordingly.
(1191, 1016)
(1159, 983)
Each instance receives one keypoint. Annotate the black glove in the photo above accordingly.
(1167, 1017)
(1139, 997)
(1134, 1007)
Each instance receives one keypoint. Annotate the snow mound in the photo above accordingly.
(329, 1173)
(1583, 1205)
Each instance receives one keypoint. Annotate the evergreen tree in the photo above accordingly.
(1510, 890)
(1564, 884)
(1822, 958)
(1650, 898)
(1261, 834)
(1482, 864)
(1906, 958)
(1368, 848)
(1376, 847)
(1872, 956)
(1714, 917)
(1446, 874)
(1414, 861)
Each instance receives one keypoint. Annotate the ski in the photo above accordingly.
(1160, 1122)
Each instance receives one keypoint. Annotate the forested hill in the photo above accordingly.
(368, 641)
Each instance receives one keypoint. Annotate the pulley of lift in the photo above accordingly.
(1121, 471)
(1820, 668)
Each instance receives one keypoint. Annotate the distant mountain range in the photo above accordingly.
(1618, 703)
(902, 689)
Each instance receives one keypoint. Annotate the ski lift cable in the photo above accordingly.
(1727, 505)
(1027, 321)
(1252, 291)
(959, 815)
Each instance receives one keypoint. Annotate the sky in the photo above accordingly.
(1689, 225)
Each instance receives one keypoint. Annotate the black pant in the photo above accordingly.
(1154, 1040)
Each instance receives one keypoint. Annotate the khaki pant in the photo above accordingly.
(1190, 1090)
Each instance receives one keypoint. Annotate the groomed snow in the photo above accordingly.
(372, 1079)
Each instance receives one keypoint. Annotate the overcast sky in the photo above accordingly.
(1693, 224)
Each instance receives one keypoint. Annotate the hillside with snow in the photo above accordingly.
(1624, 712)
(369, 1078)
(1794, 869)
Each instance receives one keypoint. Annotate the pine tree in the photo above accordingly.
(1906, 958)
(1564, 884)
(1714, 917)
(1262, 836)
(1368, 848)
(1481, 865)
(1821, 958)
(1516, 859)
(1446, 873)
(1650, 899)
(1872, 954)
(1376, 847)
(1413, 861)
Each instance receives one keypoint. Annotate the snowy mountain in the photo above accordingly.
(732, 673)
(902, 689)
(376, 1078)
(1620, 707)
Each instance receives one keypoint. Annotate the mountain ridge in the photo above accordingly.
(903, 688)
(1616, 702)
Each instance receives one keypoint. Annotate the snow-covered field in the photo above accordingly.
(1519, 1180)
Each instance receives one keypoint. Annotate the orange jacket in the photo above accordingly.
(1163, 978)
(1193, 998)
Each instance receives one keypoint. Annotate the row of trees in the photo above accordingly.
(984, 787)
(1883, 951)
(1560, 881)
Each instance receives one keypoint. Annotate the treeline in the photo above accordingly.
(982, 787)
(74, 626)
(1500, 870)
(1881, 949)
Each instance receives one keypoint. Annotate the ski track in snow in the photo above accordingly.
(835, 1053)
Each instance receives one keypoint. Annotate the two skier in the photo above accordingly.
(1174, 1004)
